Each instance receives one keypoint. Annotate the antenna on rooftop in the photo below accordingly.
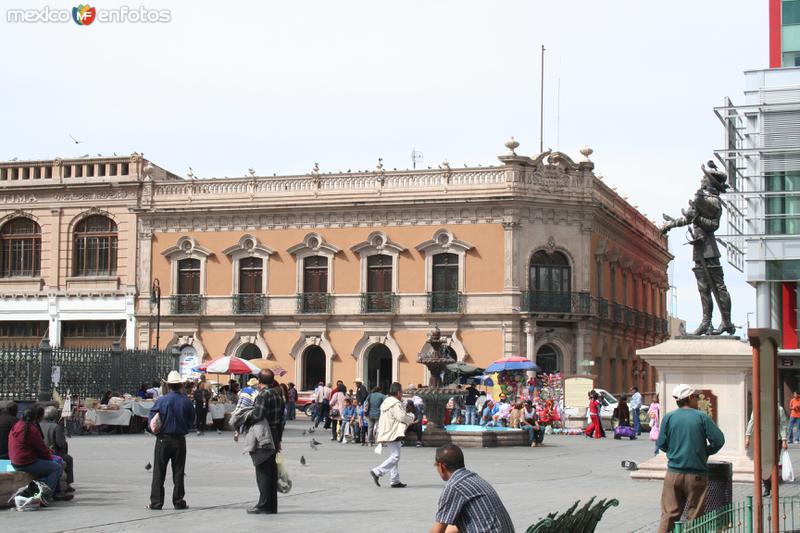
(416, 155)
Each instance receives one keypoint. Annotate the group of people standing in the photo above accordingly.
(173, 414)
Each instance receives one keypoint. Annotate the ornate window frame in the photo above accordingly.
(378, 243)
(313, 244)
(444, 241)
(187, 248)
(249, 246)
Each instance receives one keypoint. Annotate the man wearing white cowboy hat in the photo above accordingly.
(176, 414)
(689, 437)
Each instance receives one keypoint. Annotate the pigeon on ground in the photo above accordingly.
(315, 443)
(312, 429)
(304, 432)
(148, 466)
(303, 460)
(629, 465)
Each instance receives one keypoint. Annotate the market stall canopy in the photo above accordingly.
(512, 363)
(229, 365)
(464, 369)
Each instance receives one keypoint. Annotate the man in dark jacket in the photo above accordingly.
(56, 440)
(176, 414)
(267, 406)
(8, 417)
(373, 410)
(361, 392)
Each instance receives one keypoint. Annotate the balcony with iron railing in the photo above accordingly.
(249, 304)
(602, 308)
(616, 313)
(378, 302)
(445, 302)
(566, 303)
(186, 304)
(629, 316)
(313, 302)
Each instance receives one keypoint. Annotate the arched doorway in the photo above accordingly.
(379, 367)
(250, 351)
(547, 358)
(313, 367)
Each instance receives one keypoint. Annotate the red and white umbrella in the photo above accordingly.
(230, 365)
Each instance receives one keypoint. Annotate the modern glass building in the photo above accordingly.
(762, 157)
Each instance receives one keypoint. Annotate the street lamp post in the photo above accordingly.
(155, 300)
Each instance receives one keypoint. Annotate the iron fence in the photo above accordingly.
(602, 308)
(738, 518)
(26, 373)
(19, 373)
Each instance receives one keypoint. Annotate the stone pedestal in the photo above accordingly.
(719, 368)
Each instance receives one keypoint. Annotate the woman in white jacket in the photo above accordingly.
(391, 431)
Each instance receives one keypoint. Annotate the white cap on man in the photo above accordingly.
(682, 391)
(174, 377)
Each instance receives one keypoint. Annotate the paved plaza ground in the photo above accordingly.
(334, 491)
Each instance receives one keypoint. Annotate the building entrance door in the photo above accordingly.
(313, 367)
(379, 367)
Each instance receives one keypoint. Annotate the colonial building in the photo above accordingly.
(338, 276)
(68, 250)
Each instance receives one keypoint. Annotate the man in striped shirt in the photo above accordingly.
(468, 503)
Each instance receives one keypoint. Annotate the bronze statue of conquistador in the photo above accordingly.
(703, 217)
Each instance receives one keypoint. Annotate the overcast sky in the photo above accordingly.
(225, 86)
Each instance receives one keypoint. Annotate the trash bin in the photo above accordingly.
(720, 488)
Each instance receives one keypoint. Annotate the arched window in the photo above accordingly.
(21, 248)
(549, 272)
(95, 247)
(249, 299)
(379, 284)
(444, 296)
(547, 359)
(549, 281)
(188, 300)
(250, 351)
(315, 285)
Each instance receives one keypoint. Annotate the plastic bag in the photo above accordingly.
(284, 481)
(787, 471)
(155, 424)
(31, 497)
(379, 448)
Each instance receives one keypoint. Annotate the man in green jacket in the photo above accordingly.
(688, 437)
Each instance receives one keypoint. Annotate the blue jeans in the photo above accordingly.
(290, 411)
(794, 424)
(637, 425)
(44, 470)
(534, 435)
(472, 416)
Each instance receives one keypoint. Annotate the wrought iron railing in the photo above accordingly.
(445, 302)
(187, 304)
(557, 302)
(313, 302)
(648, 323)
(641, 318)
(249, 304)
(665, 326)
(629, 317)
(378, 302)
(616, 313)
(602, 308)
(19, 372)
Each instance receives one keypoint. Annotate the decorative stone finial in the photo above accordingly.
(252, 172)
(446, 164)
(512, 145)
(586, 151)
(315, 170)
(148, 171)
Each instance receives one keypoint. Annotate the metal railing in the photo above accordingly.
(378, 302)
(629, 317)
(186, 304)
(616, 313)
(445, 302)
(249, 304)
(557, 302)
(602, 308)
(739, 517)
(313, 302)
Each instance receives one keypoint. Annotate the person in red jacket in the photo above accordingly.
(595, 428)
(29, 453)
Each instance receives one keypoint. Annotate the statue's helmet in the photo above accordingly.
(716, 178)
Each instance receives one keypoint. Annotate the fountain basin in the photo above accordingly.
(475, 436)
